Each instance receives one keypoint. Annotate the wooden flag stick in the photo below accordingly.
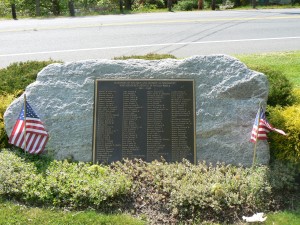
(256, 138)
(25, 145)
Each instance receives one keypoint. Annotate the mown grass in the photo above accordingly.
(284, 218)
(287, 63)
(14, 213)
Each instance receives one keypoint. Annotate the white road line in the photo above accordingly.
(146, 45)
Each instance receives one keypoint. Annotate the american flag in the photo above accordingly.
(259, 132)
(36, 135)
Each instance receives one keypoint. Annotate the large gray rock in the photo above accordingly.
(227, 97)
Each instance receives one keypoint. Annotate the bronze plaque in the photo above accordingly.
(145, 119)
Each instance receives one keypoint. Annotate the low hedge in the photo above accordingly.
(60, 183)
(5, 100)
(287, 119)
(172, 192)
(164, 192)
(17, 76)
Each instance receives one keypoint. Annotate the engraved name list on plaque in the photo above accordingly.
(146, 119)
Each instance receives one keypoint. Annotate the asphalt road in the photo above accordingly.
(182, 34)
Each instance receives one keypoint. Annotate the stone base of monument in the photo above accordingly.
(227, 95)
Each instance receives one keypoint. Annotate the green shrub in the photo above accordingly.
(187, 5)
(187, 192)
(5, 100)
(287, 119)
(83, 185)
(17, 76)
(169, 192)
(280, 88)
(4, 9)
(296, 94)
(14, 173)
(158, 3)
(64, 184)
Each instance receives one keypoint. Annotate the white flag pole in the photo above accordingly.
(25, 145)
(256, 138)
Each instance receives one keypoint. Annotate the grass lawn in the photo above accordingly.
(286, 62)
(12, 213)
(284, 218)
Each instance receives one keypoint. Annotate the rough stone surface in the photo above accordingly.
(227, 97)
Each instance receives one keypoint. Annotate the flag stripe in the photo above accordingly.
(16, 132)
(261, 129)
(36, 135)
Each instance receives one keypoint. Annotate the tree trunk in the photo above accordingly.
(37, 7)
(237, 3)
(55, 7)
(121, 6)
(85, 5)
(128, 4)
(71, 7)
(200, 4)
(13, 11)
(254, 4)
(213, 4)
(170, 5)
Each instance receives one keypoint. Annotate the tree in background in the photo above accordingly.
(213, 4)
(13, 11)
(37, 7)
(55, 8)
(71, 7)
(200, 4)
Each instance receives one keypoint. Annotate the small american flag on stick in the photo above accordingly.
(261, 128)
(29, 125)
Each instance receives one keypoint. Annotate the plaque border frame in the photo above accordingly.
(147, 79)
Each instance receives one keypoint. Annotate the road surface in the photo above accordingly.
(181, 34)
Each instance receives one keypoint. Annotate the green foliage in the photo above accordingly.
(187, 192)
(287, 119)
(5, 100)
(187, 5)
(287, 63)
(280, 88)
(4, 9)
(64, 184)
(107, 5)
(17, 76)
(284, 218)
(148, 5)
(163, 192)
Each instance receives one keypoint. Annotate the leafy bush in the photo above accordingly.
(187, 5)
(4, 9)
(168, 193)
(287, 119)
(164, 192)
(5, 100)
(280, 88)
(14, 173)
(148, 4)
(73, 185)
(17, 76)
